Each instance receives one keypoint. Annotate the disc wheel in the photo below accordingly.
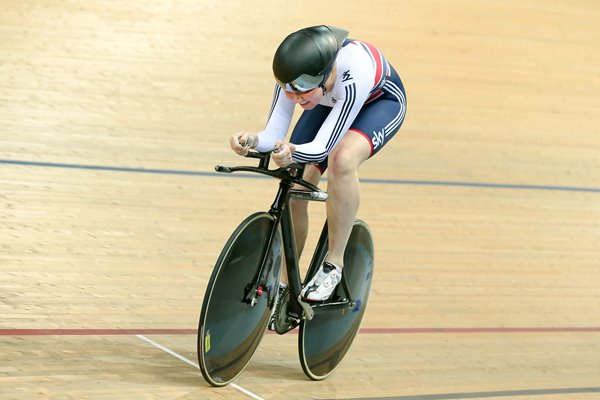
(230, 329)
(324, 340)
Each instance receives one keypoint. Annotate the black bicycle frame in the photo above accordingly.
(282, 215)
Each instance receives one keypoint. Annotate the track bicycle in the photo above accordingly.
(243, 286)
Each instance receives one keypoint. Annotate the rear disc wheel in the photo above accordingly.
(324, 340)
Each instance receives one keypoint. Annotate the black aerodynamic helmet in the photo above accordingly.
(305, 58)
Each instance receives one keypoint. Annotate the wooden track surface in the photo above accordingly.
(485, 207)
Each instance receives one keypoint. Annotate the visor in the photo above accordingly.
(303, 83)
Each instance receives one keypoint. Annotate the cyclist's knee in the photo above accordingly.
(312, 174)
(343, 160)
(347, 156)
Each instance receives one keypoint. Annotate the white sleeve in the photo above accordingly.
(280, 118)
(350, 98)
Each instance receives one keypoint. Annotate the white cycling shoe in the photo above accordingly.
(323, 283)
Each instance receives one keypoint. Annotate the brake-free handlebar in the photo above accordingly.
(291, 173)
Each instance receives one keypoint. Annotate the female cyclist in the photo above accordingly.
(354, 103)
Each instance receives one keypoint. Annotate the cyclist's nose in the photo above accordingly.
(295, 97)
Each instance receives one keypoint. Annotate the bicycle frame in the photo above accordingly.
(281, 213)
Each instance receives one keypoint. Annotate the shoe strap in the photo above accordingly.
(330, 267)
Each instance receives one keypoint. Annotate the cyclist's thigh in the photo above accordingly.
(308, 126)
(379, 121)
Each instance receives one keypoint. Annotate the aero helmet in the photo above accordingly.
(305, 58)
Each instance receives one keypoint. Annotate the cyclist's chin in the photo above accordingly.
(308, 105)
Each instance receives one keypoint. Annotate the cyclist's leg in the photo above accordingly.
(299, 209)
(304, 132)
(343, 188)
(312, 174)
(374, 126)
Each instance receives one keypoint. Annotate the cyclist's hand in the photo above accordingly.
(241, 142)
(282, 155)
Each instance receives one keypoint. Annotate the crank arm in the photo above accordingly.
(308, 311)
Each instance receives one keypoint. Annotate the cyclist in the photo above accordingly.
(354, 102)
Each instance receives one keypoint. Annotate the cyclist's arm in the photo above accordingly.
(350, 99)
(356, 72)
(280, 118)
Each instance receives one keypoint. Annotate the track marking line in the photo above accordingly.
(193, 364)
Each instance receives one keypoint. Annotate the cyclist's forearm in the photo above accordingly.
(280, 118)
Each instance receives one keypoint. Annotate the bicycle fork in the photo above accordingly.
(255, 289)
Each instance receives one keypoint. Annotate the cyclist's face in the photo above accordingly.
(307, 100)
